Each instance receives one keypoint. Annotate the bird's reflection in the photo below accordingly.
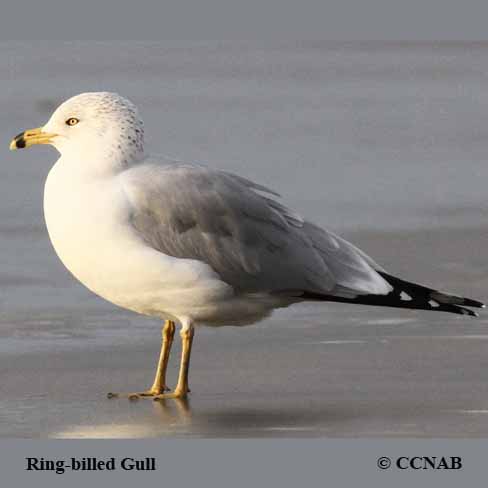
(176, 418)
(141, 419)
(176, 412)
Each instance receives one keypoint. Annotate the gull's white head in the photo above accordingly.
(99, 125)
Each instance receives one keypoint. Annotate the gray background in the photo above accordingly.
(383, 143)
(230, 19)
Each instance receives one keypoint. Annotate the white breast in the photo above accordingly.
(84, 218)
(88, 224)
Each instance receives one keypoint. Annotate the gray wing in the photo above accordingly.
(254, 243)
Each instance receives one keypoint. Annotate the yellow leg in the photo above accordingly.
(159, 385)
(182, 388)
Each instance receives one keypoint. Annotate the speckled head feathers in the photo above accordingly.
(103, 123)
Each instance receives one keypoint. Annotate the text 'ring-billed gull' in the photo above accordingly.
(187, 243)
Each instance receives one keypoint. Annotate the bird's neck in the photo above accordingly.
(93, 164)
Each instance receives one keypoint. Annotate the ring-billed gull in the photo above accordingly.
(188, 243)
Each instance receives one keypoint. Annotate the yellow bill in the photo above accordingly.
(31, 137)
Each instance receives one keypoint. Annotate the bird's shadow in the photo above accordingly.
(211, 419)
(322, 418)
(245, 421)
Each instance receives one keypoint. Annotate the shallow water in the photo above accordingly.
(385, 144)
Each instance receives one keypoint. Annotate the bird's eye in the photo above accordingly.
(72, 121)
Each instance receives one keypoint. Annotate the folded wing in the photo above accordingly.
(252, 241)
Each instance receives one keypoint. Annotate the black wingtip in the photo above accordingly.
(406, 295)
(473, 303)
(466, 311)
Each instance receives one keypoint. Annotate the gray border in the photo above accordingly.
(245, 463)
(249, 463)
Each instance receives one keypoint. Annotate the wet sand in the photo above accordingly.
(309, 371)
(387, 137)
